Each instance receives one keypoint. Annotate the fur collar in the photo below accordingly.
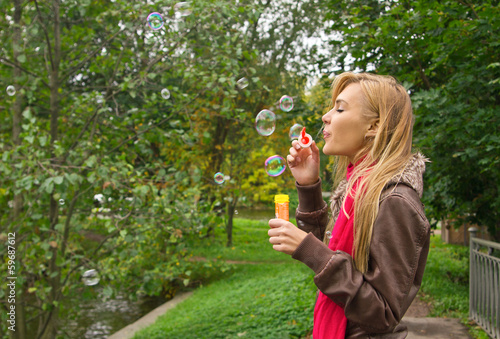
(412, 176)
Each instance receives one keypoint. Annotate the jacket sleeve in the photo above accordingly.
(312, 212)
(377, 300)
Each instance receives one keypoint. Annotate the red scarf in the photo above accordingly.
(330, 321)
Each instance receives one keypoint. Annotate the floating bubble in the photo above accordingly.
(275, 165)
(265, 122)
(155, 20)
(219, 178)
(242, 83)
(11, 90)
(90, 277)
(286, 103)
(328, 234)
(165, 94)
(295, 131)
(183, 8)
(61, 202)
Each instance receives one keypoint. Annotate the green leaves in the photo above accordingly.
(446, 50)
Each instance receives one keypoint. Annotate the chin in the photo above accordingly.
(326, 151)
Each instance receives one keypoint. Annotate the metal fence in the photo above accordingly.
(484, 284)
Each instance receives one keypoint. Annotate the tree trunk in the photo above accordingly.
(49, 328)
(16, 140)
(231, 207)
(229, 225)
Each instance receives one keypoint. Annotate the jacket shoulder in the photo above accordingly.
(406, 193)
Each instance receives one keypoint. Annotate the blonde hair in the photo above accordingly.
(382, 157)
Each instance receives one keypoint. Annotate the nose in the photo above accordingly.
(326, 117)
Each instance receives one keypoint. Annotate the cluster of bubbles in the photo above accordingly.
(265, 125)
(155, 22)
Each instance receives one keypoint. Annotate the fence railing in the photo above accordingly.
(484, 284)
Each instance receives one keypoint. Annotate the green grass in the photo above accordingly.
(275, 298)
(250, 243)
(445, 285)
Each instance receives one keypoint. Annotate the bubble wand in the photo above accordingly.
(305, 139)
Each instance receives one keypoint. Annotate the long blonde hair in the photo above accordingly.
(387, 103)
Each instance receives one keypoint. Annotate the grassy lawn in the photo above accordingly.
(275, 298)
(446, 283)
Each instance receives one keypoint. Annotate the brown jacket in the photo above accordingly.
(374, 302)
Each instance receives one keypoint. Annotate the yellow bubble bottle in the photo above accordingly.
(281, 202)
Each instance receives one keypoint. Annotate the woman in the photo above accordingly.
(369, 258)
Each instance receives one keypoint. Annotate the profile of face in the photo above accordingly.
(345, 125)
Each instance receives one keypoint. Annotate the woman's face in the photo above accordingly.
(345, 127)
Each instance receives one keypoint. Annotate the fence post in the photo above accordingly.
(472, 272)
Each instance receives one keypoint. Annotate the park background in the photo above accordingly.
(87, 118)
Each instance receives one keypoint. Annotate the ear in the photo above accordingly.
(372, 130)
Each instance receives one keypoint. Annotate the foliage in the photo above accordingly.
(88, 120)
(445, 53)
(446, 280)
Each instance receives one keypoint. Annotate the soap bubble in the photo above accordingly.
(295, 131)
(328, 234)
(219, 178)
(242, 83)
(90, 277)
(286, 103)
(61, 202)
(275, 165)
(155, 20)
(265, 122)
(165, 94)
(11, 90)
(183, 8)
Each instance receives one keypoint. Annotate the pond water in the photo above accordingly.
(98, 319)
(264, 214)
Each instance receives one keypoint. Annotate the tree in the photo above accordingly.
(444, 52)
(89, 119)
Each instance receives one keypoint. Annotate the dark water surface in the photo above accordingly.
(99, 319)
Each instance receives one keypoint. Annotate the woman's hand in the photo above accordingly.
(304, 163)
(285, 236)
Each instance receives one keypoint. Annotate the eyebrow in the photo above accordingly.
(340, 100)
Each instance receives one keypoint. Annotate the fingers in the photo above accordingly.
(296, 154)
(284, 236)
(275, 223)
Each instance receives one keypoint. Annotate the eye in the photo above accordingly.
(340, 110)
